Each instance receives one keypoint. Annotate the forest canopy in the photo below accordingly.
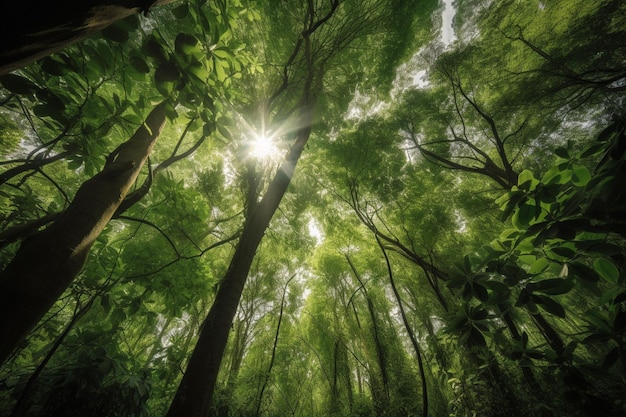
(315, 208)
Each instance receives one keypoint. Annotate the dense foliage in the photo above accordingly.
(452, 242)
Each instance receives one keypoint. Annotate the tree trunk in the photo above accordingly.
(266, 377)
(195, 391)
(46, 263)
(409, 330)
(44, 27)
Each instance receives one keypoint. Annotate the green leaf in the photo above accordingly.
(198, 70)
(224, 132)
(610, 358)
(553, 176)
(54, 66)
(539, 266)
(222, 52)
(185, 44)
(497, 287)
(606, 269)
(153, 48)
(525, 180)
(115, 33)
(18, 84)
(549, 305)
(509, 201)
(580, 175)
(105, 301)
(139, 64)
(599, 247)
(480, 291)
(467, 265)
(166, 72)
(523, 215)
(553, 286)
(219, 70)
(476, 338)
(592, 150)
(181, 11)
(562, 152)
(564, 251)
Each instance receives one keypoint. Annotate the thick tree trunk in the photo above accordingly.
(48, 262)
(195, 391)
(42, 27)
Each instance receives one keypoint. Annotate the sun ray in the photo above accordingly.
(262, 147)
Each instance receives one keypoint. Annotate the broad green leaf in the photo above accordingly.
(480, 291)
(497, 287)
(166, 72)
(222, 52)
(219, 70)
(539, 266)
(186, 44)
(606, 269)
(153, 48)
(18, 84)
(523, 215)
(54, 66)
(553, 286)
(224, 132)
(564, 251)
(580, 175)
(549, 305)
(525, 179)
(562, 152)
(181, 11)
(139, 64)
(592, 150)
(198, 70)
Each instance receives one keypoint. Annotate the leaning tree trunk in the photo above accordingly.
(47, 263)
(195, 391)
(43, 27)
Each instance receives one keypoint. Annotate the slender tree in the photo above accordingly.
(47, 262)
(194, 394)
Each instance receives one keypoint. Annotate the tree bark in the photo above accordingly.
(44, 27)
(195, 391)
(47, 263)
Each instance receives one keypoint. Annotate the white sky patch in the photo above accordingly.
(229, 170)
(412, 74)
(461, 223)
(448, 35)
(409, 76)
(315, 231)
(363, 106)
(411, 153)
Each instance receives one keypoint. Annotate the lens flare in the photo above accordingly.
(262, 147)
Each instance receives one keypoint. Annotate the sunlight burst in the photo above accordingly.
(263, 147)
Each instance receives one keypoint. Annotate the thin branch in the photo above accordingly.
(154, 226)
